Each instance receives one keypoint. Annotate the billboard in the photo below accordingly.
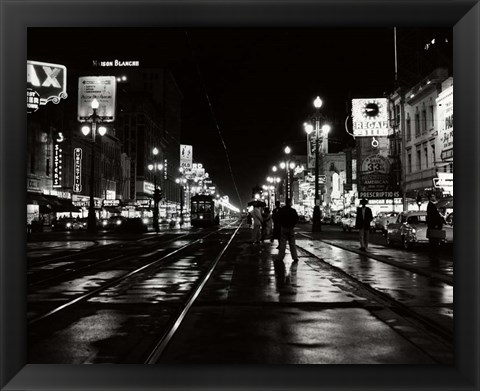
(186, 156)
(370, 117)
(101, 88)
(46, 82)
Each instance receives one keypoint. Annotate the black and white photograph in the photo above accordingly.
(237, 195)
(240, 195)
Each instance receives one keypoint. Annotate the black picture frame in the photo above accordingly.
(17, 16)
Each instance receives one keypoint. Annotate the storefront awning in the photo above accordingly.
(36, 199)
(61, 204)
(112, 209)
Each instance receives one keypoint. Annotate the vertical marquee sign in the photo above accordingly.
(46, 82)
(57, 165)
(77, 170)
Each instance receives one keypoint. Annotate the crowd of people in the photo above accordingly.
(278, 224)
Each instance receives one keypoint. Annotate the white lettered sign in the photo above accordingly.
(101, 88)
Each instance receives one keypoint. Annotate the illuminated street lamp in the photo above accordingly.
(275, 180)
(316, 218)
(94, 119)
(287, 165)
(181, 181)
(156, 192)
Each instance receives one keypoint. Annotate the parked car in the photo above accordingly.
(302, 219)
(348, 222)
(115, 222)
(67, 224)
(82, 223)
(382, 220)
(410, 228)
(133, 225)
(337, 219)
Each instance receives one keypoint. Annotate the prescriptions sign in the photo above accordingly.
(101, 88)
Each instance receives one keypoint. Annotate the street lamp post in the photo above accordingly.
(181, 181)
(287, 165)
(156, 193)
(316, 218)
(94, 119)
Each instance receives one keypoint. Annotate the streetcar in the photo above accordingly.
(203, 211)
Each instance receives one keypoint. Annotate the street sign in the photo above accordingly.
(101, 88)
(322, 179)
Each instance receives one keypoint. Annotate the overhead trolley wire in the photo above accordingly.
(197, 66)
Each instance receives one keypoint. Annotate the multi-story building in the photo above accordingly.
(421, 139)
(59, 155)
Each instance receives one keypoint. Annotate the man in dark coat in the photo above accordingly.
(287, 217)
(362, 223)
(434, 219)
(276, 224)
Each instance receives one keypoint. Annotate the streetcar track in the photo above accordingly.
(173, 327)
(118, 280)
(82, 252)
(41, 283)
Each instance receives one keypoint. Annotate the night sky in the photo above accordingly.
(254, 88)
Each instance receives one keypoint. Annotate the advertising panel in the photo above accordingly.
(77, 170)
(370, 117)
(57, 165)
(445, 120)
(186, 156)
(101, 88)
(374, 178)
(46, 82)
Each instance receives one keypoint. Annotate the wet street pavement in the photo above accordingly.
(337, 305)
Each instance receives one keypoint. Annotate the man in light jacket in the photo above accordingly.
(257, 224)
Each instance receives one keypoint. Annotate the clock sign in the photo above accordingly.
(371, 110)
(370, 117)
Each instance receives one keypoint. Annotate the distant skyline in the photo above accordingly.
(252, 89)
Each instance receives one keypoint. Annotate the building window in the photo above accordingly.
(419, 159)
(409, 163)
(424, 121)
(425, 151)
(397, 115)
(432, 118)
(409, 128)
(417, 124)
(433, 154)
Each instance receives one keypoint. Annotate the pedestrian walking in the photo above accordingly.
(287, 217)
(362, 223)
(267, 224)
(435, 221)
(257, 221)
(276, 224)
